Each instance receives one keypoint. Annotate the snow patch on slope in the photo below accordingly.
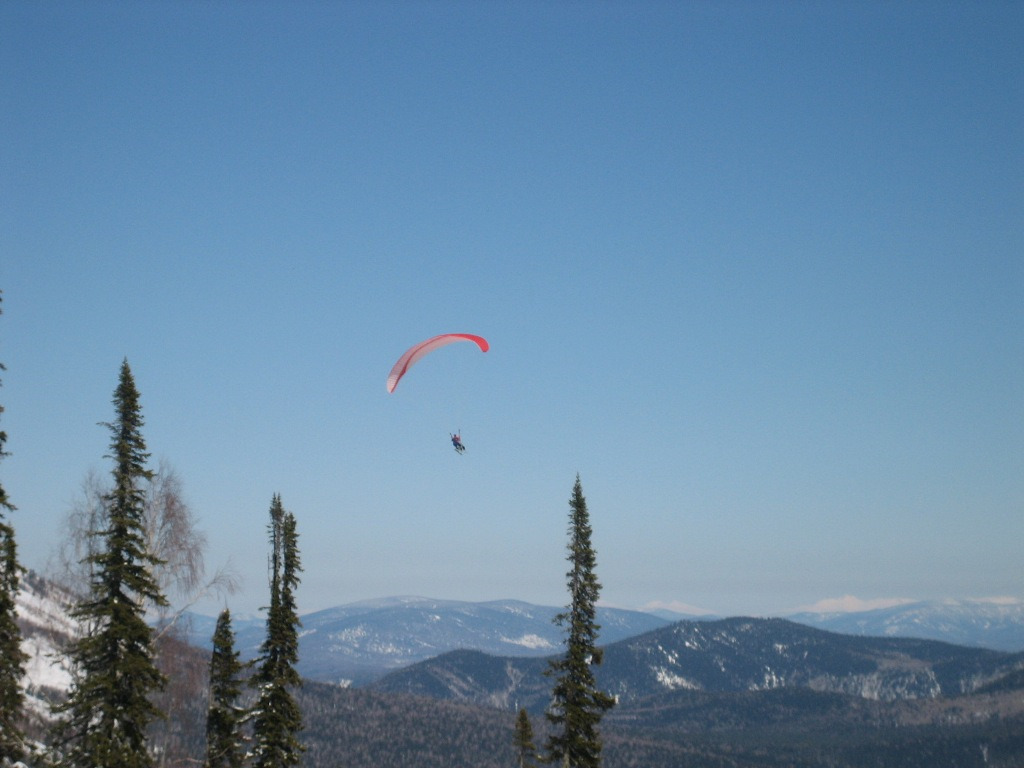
(534, 642)
(672, 681)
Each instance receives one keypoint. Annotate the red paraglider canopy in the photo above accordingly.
(414, 353)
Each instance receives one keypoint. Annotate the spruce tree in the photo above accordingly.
(526, 751)
(224, 747)
(12, 658)
(277, 719)
(577, 705)
(109, 707)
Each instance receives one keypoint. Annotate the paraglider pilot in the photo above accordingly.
(457, 442)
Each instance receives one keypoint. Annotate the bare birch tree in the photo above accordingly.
(172, 536)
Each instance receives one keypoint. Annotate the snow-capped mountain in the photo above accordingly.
(994, 623)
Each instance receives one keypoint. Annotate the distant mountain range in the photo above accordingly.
(358, 643)
(996, 624)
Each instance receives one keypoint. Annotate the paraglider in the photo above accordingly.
(412, 355)
(457, 442)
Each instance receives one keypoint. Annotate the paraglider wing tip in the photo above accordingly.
(480, 341)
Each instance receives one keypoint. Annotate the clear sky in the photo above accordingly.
(754, 270)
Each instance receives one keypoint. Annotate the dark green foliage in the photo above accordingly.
(800, 728)
(526, 751)
(577, 705)
(277, 718)
(224, 740)
(356, 728)
(109, 706)
(12, 659)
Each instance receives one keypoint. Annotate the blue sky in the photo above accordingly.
(753, 270)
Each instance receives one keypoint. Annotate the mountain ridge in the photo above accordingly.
(988, 623)
(356, 643)
(733, 655)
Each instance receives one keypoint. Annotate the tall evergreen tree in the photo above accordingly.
(109, 708)
(12, 658)
(577, 705)
(526, 751)
(224, 740)
(277, 719)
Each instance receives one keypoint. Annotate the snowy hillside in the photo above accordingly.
(46, 628)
